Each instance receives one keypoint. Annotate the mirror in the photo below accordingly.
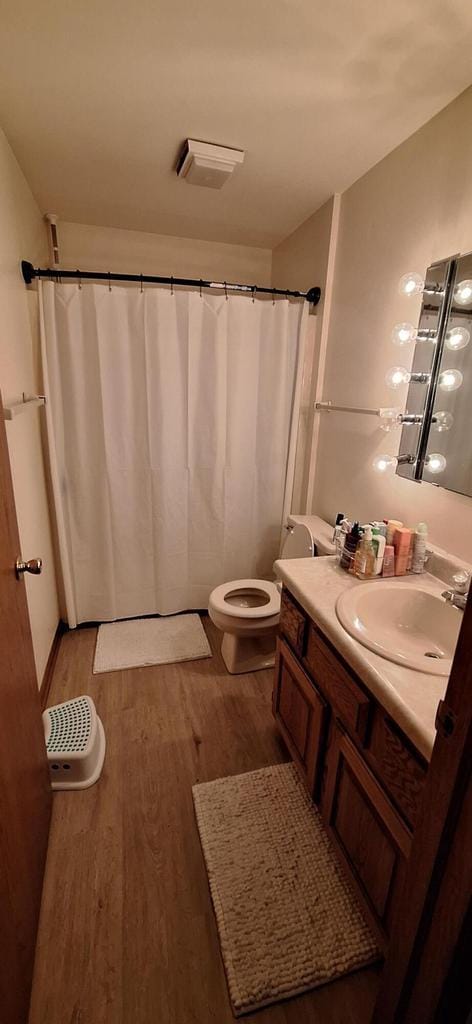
(436, 440)
(432, 315)
(450, 433)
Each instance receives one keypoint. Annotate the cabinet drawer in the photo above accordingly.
(346, 697)
(300, 713)
(293, 622)
(398, 766)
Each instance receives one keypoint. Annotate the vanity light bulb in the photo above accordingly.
(435, 463)
(384, 463)
(450, 380)
(397, 376)
(457, 338)
(404, 334)
(443, 421)
(411, 284)
(463, 293)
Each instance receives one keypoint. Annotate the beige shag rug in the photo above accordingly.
(133, 643)
(287, 919)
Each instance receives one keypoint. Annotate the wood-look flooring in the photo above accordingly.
(127, 933)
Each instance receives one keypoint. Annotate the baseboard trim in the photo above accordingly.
(51, 664)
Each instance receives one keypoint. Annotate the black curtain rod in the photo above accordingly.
(29, 272)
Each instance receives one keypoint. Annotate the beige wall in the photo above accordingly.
(139, 252)
(411, 209)
(305, 259)
(22, 236)
(301, 260)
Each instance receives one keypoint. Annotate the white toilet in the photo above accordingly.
(247, 611)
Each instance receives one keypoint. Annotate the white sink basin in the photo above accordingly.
(402, 623)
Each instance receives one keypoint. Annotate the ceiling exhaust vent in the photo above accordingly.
(201, 163)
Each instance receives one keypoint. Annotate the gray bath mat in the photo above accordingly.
(287, 918)
(133, 643)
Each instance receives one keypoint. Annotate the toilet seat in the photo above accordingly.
(269, 599)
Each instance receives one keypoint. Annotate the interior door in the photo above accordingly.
(25, 793)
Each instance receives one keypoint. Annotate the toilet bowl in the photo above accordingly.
(247, 611)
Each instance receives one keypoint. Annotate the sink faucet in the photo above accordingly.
(457, 596)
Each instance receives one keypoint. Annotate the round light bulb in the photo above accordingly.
(457, 338)
(435, 463)
(411, 284)
(463, 293)
(384, 463)
(396, 376)
(404, 334)
(450, 380)
(442, 421)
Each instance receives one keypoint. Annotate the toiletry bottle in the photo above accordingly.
(340, 534)
(388, 567)
(392, 525)
(401, 543)
(364, 560)
(420, 538)
(350, 546)
(338, 521)
(378, 541)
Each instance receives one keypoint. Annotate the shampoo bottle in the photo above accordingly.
(401, 543)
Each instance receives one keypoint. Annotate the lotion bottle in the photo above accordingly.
(364, 561)
(379, 542)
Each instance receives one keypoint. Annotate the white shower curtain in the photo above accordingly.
(171, 426)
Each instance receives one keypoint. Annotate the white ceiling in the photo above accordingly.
(96, 97)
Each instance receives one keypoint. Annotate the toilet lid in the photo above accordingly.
(298, 542)
(246, 599)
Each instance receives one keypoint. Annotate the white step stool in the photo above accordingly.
(75, 743)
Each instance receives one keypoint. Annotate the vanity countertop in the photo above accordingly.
(410, 697)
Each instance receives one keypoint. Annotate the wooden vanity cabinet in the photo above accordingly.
(358, 766)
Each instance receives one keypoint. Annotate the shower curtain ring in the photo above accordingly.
(201, 286)
(273, 296)
(109, 281)
(79, 282)
(226, 292)
(254, 293)
(141, 284)
(172, 286)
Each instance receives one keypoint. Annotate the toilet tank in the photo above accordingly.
(307, 536)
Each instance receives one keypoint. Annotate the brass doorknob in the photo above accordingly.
(34, 565)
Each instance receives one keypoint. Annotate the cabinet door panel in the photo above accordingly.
(368, 832)
(300, 712)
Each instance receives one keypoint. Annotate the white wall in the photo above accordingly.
(138, 252)
(411, 209)
(22, 236)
